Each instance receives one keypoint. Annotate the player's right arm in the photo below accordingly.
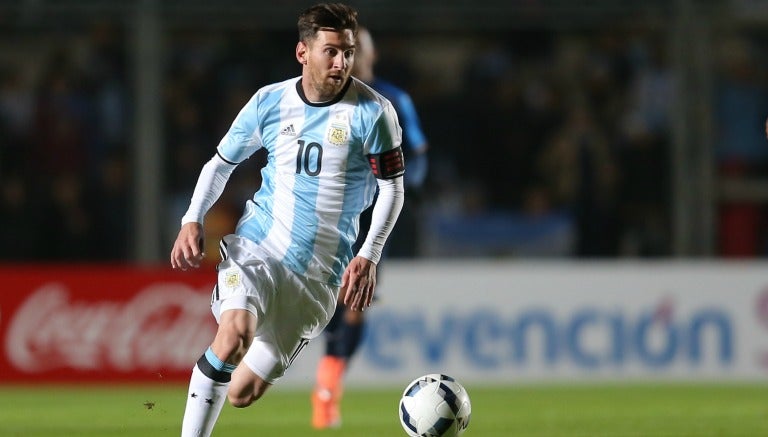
(236, 146)
(187, 250)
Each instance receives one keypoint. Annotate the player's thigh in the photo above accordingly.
(266, 361)
(242, 295)
(353, 317)
(298, 313)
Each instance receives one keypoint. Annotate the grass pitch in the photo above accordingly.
(551, 411)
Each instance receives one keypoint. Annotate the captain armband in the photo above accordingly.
(388, 165)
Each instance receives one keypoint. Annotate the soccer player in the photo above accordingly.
(331, 141)
(345, 331)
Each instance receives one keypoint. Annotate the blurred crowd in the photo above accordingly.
(65, 126)
(558, 142)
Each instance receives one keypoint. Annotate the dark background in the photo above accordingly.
(557, 129)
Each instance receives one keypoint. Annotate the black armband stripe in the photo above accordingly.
(387, 165)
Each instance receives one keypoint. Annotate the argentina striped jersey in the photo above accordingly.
(317, 179)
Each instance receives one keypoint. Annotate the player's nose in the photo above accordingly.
(340, 62)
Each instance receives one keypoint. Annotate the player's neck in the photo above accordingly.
(315, 97)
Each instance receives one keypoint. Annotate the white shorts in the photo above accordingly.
(290, 309)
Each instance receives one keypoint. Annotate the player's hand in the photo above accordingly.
(358, 283)
(187, 251)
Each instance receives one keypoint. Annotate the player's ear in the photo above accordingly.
(301, 52)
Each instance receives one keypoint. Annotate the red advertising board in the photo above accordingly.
(102, 324)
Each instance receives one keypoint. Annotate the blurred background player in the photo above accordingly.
(344, 332)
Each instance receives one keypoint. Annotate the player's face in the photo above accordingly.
(327, 63)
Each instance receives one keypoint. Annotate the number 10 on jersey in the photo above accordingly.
(309, 158)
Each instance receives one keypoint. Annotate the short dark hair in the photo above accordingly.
(337, 16)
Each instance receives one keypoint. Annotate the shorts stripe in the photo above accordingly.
(302, 344)
(224, 255)
(215, 294)
(223, 249)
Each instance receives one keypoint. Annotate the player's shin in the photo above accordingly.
(325, 396)
(207, 393)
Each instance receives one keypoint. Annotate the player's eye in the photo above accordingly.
(349, 53)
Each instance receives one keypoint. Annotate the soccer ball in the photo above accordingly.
(435, 405)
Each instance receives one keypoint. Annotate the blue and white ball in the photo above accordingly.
(435, 405)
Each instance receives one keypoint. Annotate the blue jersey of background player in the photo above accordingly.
(344, 333)
(414, 141)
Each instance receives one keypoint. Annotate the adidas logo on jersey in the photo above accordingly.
(288, 130)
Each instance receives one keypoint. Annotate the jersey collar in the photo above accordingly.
(334, 100)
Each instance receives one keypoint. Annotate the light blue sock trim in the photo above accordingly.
(217, 363)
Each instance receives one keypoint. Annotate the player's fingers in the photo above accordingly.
(354, 297)
(193, 253)
(349, 296)
(177, 258)
(357, 304)
(370, 288)
(365, 296)
(345, 279)
(369, 295)
(353, 283)
(192, 261)
(186, 257)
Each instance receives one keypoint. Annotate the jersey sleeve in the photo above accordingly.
(385, 134)
(243, 137)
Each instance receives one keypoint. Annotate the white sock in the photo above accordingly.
(204, 402)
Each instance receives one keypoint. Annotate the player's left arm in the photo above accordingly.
(385, 157)
(359, 279)
(388, 167)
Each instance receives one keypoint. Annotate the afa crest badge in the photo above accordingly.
(338, 130)
(338, 135)
(232, 279)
